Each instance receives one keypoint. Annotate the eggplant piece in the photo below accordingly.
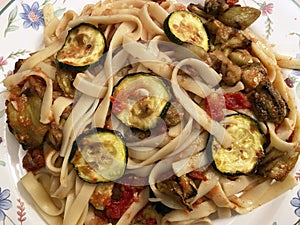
(84, 46)
(242, 57)
(65, 81)
(230, 14)
(24, 120)
(252, 75)
(174, 114)
(139, 100)
(268, 104)
(215, 7)
(231, 73)
(99, 155)
(247, 150)
(225, 37)
(148, 215)
(185, 27)
(278, 164)
(182, 189)
(239, 17)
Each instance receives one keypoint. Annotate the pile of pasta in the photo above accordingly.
(134, 30)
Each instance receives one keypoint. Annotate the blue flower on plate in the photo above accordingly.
(5, 203)
(32, 16)
(296, 203)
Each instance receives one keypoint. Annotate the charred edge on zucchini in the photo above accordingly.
(99, 155)
(139, 100)
(186, 27)
(84, 46)
(247, 150)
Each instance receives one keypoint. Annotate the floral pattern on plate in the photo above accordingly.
(6, 204)
(24, 19)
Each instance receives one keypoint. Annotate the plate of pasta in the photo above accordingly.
(139, 112)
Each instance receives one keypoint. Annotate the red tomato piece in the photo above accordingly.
(236, 101)
(232, 2)
(215, 104)
(199, 175)
(117, 208)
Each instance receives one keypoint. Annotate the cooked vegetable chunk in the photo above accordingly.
(139, 100)
(268, 104)
(102, 195)
(23, 118)
(181, 189)
(99, 155)
(229, 13)
(224, 37)
(84, 46)
(247, 150)
(65, 80)
(185, 27)
(239, 17)
(252, 75)
(278, 164)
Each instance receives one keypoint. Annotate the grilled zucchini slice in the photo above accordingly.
(84, 46)
(140, 99)
(246, 151)
(99, 155)
(186, 27)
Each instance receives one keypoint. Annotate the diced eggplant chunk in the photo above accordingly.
(252, 75)
(231, 73)
(239, 17)
(225, 37)
(268, 104)
(277, 164)
(23, 118)
(65, 80)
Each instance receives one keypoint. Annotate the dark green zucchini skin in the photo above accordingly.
(192, 31)
(74, 63)
(257, 157)
(98, 178)
(130, 79)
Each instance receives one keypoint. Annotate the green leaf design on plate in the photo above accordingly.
(11, 19)
(45, 2)
(11, 28)
(17, 54)
(59, 12)
(2, 163)
(2, 113)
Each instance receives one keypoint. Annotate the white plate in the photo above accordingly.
(279, 23)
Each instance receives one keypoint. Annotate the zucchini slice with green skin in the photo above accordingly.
(84, 46)
(99, 155)
(186, 27)
(246, 151)
(139, 100)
